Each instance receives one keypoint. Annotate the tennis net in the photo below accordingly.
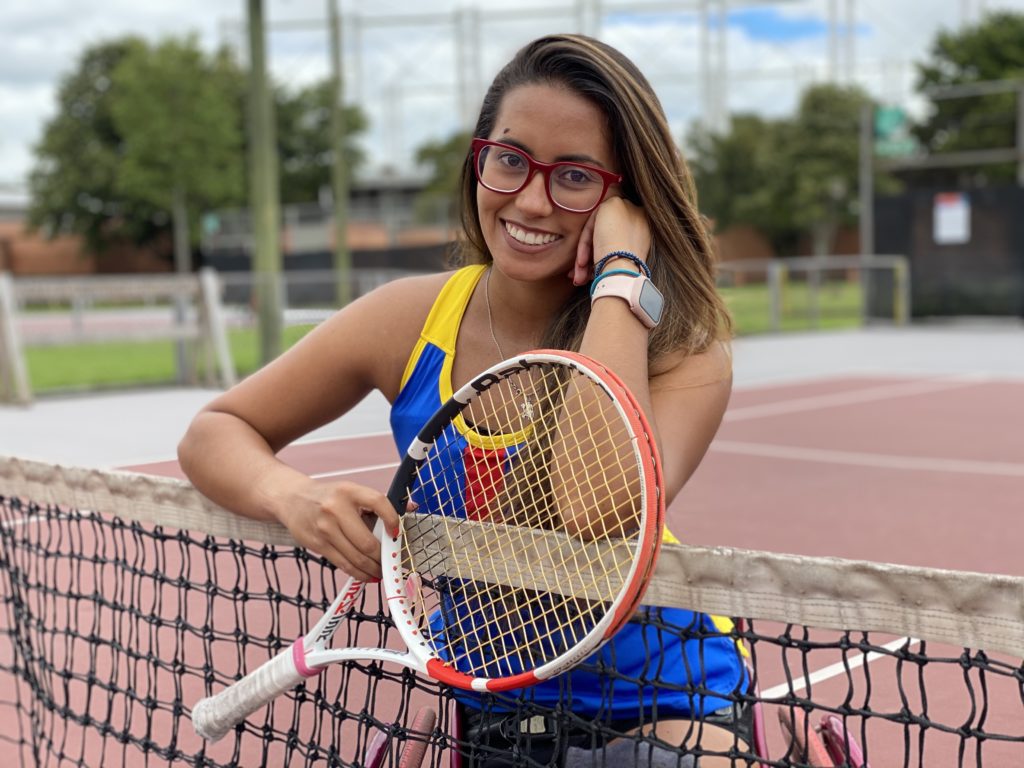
(126, 598)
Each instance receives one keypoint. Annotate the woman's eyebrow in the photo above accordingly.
(573, 158)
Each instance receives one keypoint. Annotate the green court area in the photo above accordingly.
(117, 364)
(801, 306)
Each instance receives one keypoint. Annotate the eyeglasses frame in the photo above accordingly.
(545, 170)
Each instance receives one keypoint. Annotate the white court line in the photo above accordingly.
(11, 524)
(866, 395)
(877, 460)
(337, 438)
(354, 470)
(834, 670)
(298, 443)
(795, 405)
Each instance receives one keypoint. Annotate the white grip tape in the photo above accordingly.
(214, 716)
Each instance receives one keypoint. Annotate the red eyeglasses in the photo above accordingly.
(573, 187)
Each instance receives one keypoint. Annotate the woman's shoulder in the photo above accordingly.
(682, 369)
(410, 298)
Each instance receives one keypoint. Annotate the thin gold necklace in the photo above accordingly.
(526, 406)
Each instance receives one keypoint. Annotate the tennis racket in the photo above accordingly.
(537, 488)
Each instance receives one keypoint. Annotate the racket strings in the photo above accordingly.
(548, 618)
(573, 456)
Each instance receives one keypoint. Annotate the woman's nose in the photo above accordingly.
(533, 198)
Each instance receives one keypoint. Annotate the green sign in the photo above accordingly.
(892, 133)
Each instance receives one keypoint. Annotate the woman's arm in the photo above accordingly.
(229, 451)
(684, 403)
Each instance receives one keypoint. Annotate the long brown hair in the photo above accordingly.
(656, 178)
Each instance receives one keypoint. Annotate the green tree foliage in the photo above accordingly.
(175, 109)
(990, 50)
(73, 184)
(737, 175)
(134, 120)
(823, 153)
(304, 141)
(444, 161)
(789, 177)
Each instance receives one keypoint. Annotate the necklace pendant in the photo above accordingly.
(526, 408)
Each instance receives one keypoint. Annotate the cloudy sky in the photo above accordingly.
(417, 82)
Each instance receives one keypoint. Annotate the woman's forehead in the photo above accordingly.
(551, 121)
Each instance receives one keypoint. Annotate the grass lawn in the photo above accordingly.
(109, 365)
(115, 364)
(839, 306)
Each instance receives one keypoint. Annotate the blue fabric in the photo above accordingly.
(656, 668)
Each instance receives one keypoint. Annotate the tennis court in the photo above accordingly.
(899, 446)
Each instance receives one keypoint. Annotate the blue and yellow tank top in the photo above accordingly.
(676, 660)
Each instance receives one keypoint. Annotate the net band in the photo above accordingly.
(972, 609)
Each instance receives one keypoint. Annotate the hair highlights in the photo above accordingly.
(656, 178)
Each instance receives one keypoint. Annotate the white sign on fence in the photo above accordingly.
(951, 222)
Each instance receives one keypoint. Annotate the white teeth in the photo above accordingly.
(528, 238)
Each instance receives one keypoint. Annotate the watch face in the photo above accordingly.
(651, 301)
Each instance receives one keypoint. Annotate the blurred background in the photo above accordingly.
(861, 163)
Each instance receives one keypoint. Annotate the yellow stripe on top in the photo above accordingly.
(441, 330)
(442, 325)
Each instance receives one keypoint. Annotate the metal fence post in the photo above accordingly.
(216, 332)
(13, 372)
(776, 279)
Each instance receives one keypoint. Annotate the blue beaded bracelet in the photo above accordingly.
(622, 255)
(609, 273)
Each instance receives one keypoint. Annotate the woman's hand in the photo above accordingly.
(616, 225)
(336, 521)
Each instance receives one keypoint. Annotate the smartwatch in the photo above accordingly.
(642, 296)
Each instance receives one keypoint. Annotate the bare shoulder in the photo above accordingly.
(361, 347)
(381, 328)
(404, 300)
(680, 370)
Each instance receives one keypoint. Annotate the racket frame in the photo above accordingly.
(307, 656)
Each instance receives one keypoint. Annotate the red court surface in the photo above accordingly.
(923, 471)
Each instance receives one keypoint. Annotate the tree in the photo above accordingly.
(787, 178)
(133, 123)
(444, 161)
(182, 147)
(73, 184)
(823, 154)
(304, 140)
(737, 174)
(990, 50)
(136, 121)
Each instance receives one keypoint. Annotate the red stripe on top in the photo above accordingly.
(485, 479)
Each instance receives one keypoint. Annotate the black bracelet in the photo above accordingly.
(623, 255)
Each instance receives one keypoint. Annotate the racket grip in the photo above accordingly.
(214, 716)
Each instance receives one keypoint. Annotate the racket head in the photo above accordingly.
(548, 442)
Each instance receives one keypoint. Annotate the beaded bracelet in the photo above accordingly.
(622, 255)
(609, 273)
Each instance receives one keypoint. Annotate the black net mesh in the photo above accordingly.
(112, 630)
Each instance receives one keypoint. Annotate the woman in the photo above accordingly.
(572, 168)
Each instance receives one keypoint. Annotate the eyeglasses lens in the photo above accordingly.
(573, 187)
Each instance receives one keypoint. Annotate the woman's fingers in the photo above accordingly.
(618, 225)
(584, 264)
(332, 524)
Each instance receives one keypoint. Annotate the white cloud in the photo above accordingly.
(406, 77)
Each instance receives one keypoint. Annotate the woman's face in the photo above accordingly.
(528, 236)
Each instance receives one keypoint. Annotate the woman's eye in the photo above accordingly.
(576, 176)
(512, 160)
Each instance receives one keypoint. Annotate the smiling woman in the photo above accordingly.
(581, 233)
